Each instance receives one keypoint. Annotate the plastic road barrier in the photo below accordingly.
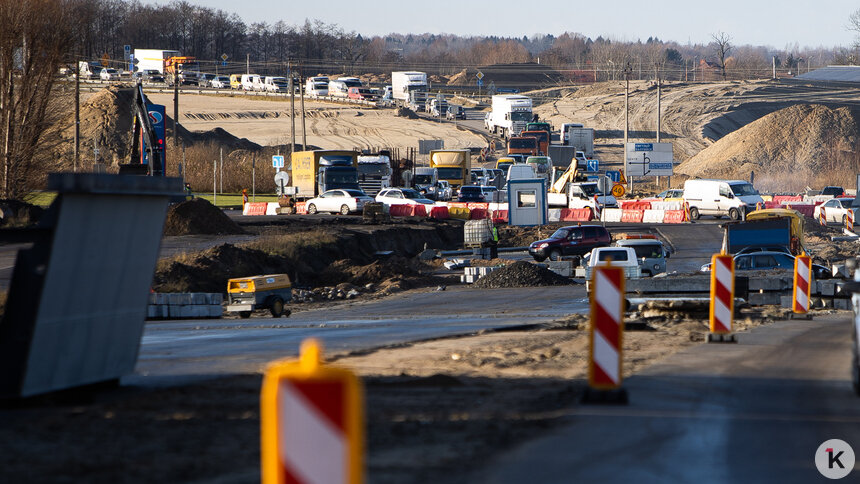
(301, 208)
(722, 297)
(554, 215)
(607, 328)
(632, 216)
(674, 217)
(653, 216)
(822, 219)
(611, 215)
(254, 208)
(849, 220)
(440, 213)
(802, 284)
(312, 422)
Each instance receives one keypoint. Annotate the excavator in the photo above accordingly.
(574, 173)
(147, 144)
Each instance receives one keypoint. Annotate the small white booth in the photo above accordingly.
(527, 204)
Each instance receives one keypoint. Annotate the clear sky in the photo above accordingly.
(778, 24)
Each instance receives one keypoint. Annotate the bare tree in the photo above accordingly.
(33, 40)
(722, 47)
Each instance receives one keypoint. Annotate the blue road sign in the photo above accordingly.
(592, 165)
(480, 83)
(614, 175)
(277, 161)
(644, 147)
(224, 63)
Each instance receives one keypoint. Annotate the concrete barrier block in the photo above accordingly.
(153, 298)
(215, 311)
(160, 298)
(178, 298)
(652, 216)
(611, 214)
(554, 215)
(764, 298)
(216, 298)
(827, 288)
(199, 298)
(579, 272)
(563, 268)
(770, 284)
(786, 301)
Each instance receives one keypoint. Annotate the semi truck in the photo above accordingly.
(405, 82)
(317, 171)
(452, 166)
(543, 139)
(509, 115)
(582, 139)
(374, 173)
(152, 59)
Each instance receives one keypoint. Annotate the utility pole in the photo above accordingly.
(292, 109)
(774, 67)
(247, 63)
(627, 71)
(659, 94)
(175, 108)
(302, 91)
(77, 159)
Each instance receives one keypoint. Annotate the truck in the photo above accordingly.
(768, 229)
(152, 59)
(565, 132)
(582, 139)
(374, 173)
(542, 137)
(437, 107)
(624, 257)
(509, 115)
(403, 83)
(182, 69)
(426, 181)
(317, 171)
(523, 145)
(453, 166)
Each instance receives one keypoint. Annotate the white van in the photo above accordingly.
(521, 171)
(249, 81)
(340, 87)
(733, 198)
(276, 84)
(317, 86)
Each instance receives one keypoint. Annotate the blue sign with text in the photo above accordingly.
(592, 165)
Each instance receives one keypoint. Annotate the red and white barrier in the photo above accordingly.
(607, 328)
(312, 422)
(802, 284)
(632, 216)
(255, 208)
(849, 220)
(822, 219)
(554, 215)
(722, 294)
(611, 215)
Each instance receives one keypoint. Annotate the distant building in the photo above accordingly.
(709, 71)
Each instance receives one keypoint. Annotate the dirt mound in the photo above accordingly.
(18, 214)
(458, 79)
(404, 112)
(521, 274)
(791, 144)
(198, 216)
(210, 270)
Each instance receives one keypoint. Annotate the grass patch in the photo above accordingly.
(233, 199)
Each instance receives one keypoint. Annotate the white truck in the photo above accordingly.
(89, 70)
(405, 82)
(152, 59)
(509, 116)
(316, 86)
(582, 139)
(374, 173)
(582, 195)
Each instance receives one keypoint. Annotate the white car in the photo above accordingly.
(109, 74)
(341, 201)
(402, 196)
(836, 210)
(220, 82)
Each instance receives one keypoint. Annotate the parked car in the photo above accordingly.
(400, 196)
(235, 81)
(109, 74)
(455, 112)
(276, 84)
(573, 240)
(476, 193)
(770, 260)
(833, 191)
(338, 201)
(220, 82)
(205, 80)
(444, 192)
(836, 210)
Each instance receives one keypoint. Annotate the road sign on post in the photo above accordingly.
(312, 422)
(606, 336)
(649, 159)
(722, 299)
(277, 161)
(592, 165)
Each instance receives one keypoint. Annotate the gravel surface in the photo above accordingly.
(521, 274)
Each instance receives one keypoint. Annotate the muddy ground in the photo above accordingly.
(436, 411)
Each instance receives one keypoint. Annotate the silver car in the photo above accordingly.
(341, 201)
(650, 253)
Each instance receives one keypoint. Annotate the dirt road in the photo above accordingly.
(330, 126)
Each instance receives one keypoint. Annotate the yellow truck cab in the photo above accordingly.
(454, 166)
(235, 81)
(272, 292)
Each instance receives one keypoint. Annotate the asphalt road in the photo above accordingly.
(229, 346)
(719, 413)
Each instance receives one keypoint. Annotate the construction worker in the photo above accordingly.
(494, 245)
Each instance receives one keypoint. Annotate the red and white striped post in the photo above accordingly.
(687, 216)
(606, 336)
(822, 219)
(597, 210)
(802, 286)
(722, 299)
(311, 422)
(849, 220)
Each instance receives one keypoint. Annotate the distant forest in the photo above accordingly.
(105, 26)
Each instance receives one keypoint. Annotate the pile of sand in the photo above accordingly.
(458, 79)
(198, 216)
(797, 141)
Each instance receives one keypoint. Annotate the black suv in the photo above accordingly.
(573, 240)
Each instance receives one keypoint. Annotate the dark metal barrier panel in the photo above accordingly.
(77, 299)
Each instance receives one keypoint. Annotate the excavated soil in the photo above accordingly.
(521, 274)
(800, 140)
(196, 217)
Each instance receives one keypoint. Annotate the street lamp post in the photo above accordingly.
(627, 71)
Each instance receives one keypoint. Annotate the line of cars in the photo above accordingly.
(346, 201)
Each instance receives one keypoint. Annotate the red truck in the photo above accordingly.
(542, 140)
(523, 145)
